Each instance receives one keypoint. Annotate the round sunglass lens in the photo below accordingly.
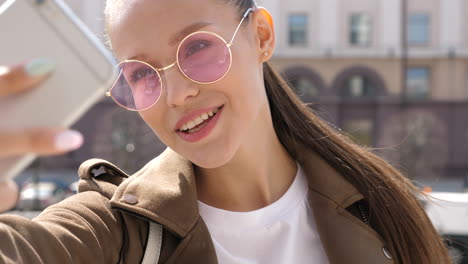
(138, 86)
(204, 57)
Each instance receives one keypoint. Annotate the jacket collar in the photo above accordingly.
(325, 181)
(165, 189)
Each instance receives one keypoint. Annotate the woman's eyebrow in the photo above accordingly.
(176, 38)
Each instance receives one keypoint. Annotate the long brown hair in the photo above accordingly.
(394, 210)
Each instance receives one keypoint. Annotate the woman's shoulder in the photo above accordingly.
(100, 176)
(105, 177)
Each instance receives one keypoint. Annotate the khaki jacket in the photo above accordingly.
(108, 220)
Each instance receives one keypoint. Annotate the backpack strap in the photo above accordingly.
(153, 245)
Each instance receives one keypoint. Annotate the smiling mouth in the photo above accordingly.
(200, 122)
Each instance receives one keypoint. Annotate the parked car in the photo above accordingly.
(449, 214)
(40, 195)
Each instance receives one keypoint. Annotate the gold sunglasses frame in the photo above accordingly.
(160, 70)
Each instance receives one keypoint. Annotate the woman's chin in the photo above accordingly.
(211, 161)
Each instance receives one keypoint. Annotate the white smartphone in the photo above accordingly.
(85, 69)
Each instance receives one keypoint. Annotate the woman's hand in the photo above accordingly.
(42, 141)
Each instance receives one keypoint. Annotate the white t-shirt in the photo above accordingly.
(283, 232)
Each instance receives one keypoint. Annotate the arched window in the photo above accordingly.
(305, 87)
(358, 86)
(359, 83)
(307, 83)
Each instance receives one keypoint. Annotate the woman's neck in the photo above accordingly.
(258, 175)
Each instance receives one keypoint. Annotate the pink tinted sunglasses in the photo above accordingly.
(203, 57)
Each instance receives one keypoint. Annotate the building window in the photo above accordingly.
(298, 30)
(417, 83)
(307, 83)
(358, 86)
(305, 87)
(360, 30)
(360, 131)
(418, 29)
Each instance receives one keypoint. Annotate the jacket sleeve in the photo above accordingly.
(80, 229)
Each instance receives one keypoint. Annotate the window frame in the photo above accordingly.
(428, 40)
(370, 32)
(305, 31)
(369, 89)
(428, 80)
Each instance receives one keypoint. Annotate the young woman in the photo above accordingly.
(250, 175)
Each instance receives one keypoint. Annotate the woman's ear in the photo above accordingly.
(265, 33)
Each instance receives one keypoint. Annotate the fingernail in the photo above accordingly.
(4, 70)
(39, 67)
(68, 140)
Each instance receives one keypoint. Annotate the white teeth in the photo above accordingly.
(191, 125)
(197, 121)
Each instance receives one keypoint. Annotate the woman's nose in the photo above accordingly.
(178, 87)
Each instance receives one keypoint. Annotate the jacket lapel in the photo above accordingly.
(346, 239)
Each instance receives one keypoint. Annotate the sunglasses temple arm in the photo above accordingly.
(246, 14)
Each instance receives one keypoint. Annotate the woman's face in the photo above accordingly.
(146, 29)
